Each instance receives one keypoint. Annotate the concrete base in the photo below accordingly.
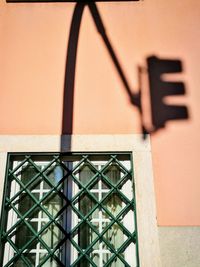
(180, 246)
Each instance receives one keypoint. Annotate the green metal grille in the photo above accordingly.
(69, 210)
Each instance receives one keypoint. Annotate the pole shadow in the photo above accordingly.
(159, 89)
(70, 68)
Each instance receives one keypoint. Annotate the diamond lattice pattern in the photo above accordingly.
(69, 210)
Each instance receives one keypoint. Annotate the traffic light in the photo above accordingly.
(159, 89)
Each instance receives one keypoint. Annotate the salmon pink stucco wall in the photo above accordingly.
(33, 50)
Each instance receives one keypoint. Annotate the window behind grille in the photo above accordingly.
(69, 210)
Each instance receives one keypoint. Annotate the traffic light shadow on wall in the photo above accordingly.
(159, 111)
(159, 90)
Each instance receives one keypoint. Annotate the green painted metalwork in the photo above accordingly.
(67, 210)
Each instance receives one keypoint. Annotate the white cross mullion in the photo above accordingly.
(38, 250)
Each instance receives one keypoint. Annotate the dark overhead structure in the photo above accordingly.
(78, 1)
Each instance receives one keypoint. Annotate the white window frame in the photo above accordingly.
(149, 254)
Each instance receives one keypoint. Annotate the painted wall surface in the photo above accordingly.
(33, 51)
